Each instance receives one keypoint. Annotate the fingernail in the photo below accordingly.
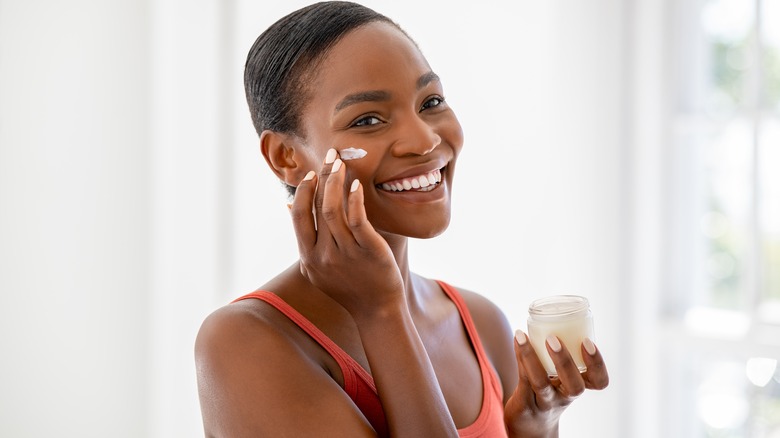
(520, 337)
(330, 156)
(336, 166)
(554, 343)
(355, 185)
(590, 347)
(309, 176)
(289, 206)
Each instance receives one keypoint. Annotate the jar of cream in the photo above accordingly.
(566, 316)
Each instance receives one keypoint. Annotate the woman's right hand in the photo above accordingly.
(535, 407)
(340, 252)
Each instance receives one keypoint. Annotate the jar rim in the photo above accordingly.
(558, 305)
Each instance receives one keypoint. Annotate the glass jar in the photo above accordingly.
(566, 316)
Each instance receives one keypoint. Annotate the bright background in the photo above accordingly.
(621, 150)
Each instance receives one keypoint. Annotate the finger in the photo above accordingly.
(300, 211)
(571, 382)
(596, 377)
(362, 230)
(325, 172)
(535, 373)
(523, 389)
(333, 211)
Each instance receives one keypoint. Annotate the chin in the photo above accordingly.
(431, 231)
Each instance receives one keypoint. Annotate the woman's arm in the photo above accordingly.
(347, 259)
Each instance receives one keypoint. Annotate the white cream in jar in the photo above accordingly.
(566, 316)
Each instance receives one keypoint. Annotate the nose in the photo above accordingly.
(417, 137)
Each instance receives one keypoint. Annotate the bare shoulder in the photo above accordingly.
(480, 306)
(496, 335)
(238, 328)
(238, 346)
(257, 378)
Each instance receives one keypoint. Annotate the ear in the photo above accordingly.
(284, 155)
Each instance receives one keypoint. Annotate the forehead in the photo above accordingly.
(376, 56)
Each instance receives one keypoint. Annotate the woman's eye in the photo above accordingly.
(432, 102)
(367, 121)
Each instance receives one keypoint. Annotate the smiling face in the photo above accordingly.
(375, 91)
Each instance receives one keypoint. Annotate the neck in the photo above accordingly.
(400, 247)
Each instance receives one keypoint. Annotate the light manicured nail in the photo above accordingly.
(520, 337)
(590, 347)
(309, 176)
(330, 156)
(336, 166)
(554, 343)
(355, 185)
(289, 206)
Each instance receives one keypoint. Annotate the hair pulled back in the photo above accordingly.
(284, 59)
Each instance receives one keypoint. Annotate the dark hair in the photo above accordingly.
(284, 58)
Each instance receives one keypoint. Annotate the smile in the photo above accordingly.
(420, 183)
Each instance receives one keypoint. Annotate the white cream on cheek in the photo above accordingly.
(352, 154)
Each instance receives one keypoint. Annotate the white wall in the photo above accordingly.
(134, 200)
(74, 218)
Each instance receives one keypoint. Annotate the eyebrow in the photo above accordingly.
(363, 96)
(426, 79)
(380, 95)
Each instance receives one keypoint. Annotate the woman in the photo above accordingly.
(348, 341)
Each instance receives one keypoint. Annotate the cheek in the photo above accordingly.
(317, 140)
(363, 168)
(448, 127)
(312, 158)
(452, 133)
(313, 151)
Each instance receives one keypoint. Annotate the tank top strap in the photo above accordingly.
(350, 369)
(486, 367)
(358, 383)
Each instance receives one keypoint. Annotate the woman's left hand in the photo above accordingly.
(537, 403)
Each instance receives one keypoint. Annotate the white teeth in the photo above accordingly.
(422, 183)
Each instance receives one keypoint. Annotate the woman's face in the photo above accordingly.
(375, 91)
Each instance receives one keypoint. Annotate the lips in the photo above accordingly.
(418, 183)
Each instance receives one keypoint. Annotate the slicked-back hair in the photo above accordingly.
(284, 59)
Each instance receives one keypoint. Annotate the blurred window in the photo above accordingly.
(726, 137)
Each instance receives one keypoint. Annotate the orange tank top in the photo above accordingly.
(360, 387)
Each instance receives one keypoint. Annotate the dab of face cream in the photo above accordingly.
(352, 154)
